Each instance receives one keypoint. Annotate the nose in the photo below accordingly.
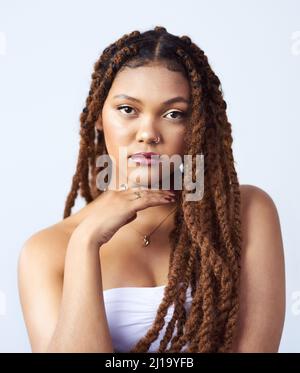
(148, 136)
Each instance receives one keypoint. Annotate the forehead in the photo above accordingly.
(150, 81)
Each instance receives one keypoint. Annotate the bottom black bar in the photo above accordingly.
(155, 362)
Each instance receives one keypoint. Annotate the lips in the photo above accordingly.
(144, 155)
(145, 158)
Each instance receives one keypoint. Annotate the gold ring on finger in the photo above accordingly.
(138, 194)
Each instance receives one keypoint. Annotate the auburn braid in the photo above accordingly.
(206, 240)
(88, 150)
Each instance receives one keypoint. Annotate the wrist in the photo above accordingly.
(85, 237)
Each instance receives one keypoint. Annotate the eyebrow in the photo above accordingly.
(170, 101)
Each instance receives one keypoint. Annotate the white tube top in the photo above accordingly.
(130, 312)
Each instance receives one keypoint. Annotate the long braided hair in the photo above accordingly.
(206, 240)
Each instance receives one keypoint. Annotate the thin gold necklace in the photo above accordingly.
(146, 237)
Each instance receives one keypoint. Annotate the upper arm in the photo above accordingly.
(40, 288)
(262, 286)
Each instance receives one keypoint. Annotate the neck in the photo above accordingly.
(149, 218)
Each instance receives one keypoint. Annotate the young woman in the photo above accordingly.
(136, 269)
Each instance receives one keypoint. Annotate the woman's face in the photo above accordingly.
(135, 121)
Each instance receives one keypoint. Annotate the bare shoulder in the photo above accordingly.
(46, 246)
(260, 222)
(40, 279)
(254, 197)
(262, 287)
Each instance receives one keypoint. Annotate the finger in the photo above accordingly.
(144, 192)
(140, 200)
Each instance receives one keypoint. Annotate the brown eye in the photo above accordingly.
(124, 107)
(181, 114)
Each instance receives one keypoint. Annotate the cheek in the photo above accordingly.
(176, 141)
(115, 134)
(113, 143)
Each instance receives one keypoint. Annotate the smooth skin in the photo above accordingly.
(134, 125)
(64, 268)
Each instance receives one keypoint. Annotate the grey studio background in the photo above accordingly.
(47, 52)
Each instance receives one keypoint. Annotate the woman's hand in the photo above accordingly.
(114, 209)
